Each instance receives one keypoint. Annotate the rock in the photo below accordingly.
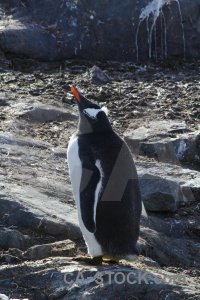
(151, 263)
(163, 186)
(192, 225)
(141, 246)
(62, 248)
(159, 194)
(24, 207)
(13, 255)
(110, 32)
(97, 76)
(7, 258)
(4, 63)
(167, 250)
(32, 175)
(9, 139)
(47, 113)
(13, 239)
(60, 278)
(167, 141)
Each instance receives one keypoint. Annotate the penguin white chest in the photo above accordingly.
(75, 172)
(75, 166)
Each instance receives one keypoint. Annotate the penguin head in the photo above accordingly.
(92, 118)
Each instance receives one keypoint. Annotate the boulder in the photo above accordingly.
(168, 250)
(164, 187)
(46, 113)
(13, 239)
(62, 278)
(168, 141)
(35, 189)
(101, 30)
(97, 76)
(62, 248)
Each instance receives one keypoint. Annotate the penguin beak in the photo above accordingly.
(76, 94)
(81, 100)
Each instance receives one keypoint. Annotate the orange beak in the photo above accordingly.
(75, 93)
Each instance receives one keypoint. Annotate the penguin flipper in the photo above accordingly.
(88, 197)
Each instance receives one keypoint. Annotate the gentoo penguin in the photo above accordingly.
(105, 185)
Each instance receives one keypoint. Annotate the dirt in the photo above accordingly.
(135, 92)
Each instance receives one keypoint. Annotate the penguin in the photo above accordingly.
(105, 185)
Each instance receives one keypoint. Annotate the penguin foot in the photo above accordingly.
(88, 259)
(112, 258)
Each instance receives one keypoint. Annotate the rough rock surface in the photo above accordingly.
(73, 280)
(43, 245)
(168, 141)
(164, 187)
(101, 30)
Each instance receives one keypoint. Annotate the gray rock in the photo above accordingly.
(25, 207)
(62, 248)
(9, 139)
(167, 250)
(168, 141)
(192, 225)
(22, 200)
(106, 30)
(97, 76)
(151, 263)
(61, 278)
(159, 194)
(163, 186)
(47, 113)
(35, 190)
(13, 255)
(13, 239)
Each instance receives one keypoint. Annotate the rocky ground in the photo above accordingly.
(156, 108)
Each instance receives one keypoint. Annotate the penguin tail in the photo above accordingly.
(144, 213)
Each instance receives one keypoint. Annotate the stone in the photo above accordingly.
(42, 179)
(46, 113)
(193, 226)
(164, 187)
(72, 280)
(168, 250)
(13, 239)
(62, 248)
(9, 139)
(168, 141)
(159, 194)
(101, 30)
(25, 207)
(97, 76)
(13, 255)
(151, 263)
